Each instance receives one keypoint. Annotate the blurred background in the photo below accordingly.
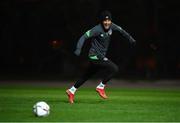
(38, 37)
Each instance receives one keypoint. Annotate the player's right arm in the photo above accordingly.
(90, 33)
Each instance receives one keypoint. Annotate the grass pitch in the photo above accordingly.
(122, 105)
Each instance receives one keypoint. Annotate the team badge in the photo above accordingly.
(102, 35)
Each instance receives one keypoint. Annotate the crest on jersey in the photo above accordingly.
(102, 35)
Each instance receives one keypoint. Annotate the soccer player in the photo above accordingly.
(100, 39)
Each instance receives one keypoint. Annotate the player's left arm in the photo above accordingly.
(124, 33)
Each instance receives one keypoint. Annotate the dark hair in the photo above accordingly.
(105, 15)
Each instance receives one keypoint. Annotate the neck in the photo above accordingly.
(105, 30)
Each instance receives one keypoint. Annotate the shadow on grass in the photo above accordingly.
(80, 101)
(98, 101)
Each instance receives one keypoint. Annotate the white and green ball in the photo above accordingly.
(41, 109)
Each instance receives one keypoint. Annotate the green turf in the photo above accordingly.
(123, 104)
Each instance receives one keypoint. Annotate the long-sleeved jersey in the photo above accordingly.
(100, 40)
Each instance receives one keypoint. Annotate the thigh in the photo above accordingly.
(104, 64)
(90, 70)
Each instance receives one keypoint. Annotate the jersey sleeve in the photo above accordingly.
(123, 32)
(89, 34)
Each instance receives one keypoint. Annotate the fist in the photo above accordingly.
(133, 42)
(77, 52)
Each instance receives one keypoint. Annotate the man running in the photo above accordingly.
(100, 39)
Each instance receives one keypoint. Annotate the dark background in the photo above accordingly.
(37, 37)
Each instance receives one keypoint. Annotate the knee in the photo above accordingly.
(115, 68)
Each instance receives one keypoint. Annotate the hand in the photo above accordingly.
(133, 42)
(77, 52)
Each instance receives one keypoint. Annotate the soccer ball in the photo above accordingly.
(41, 109)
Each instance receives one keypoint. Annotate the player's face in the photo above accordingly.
(107, 23)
